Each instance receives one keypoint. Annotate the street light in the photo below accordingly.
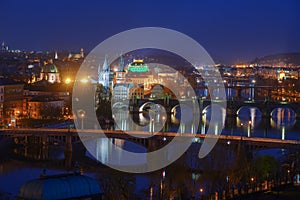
(82, 115)
(68, 81)
(201, 192)
(242, 130)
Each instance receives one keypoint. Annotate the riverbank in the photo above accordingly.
(286, 192)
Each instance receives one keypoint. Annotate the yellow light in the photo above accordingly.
(68, 80)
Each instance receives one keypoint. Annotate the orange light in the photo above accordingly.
(68, 80)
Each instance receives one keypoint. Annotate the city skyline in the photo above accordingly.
(230, 33)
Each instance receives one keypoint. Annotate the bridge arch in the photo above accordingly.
(253, 111)
(206, 114)
(187, 105)
(149, 103)
(284, 111)
(283, 117)
(119, 105)
(173, 110)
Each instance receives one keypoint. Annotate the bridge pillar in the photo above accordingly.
(68, 144)
(68, 150)
(231, 109)
(238, 93)
(266, 112)
(153, 144)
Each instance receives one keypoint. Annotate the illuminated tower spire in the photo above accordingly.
(3, 46)
(56, 56)
(121, 64)
(103, 73)
(105, 66)
(81, 53)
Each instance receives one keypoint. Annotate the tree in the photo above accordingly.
(103, 102)
(266, 167)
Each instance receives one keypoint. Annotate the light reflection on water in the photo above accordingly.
(249, 122)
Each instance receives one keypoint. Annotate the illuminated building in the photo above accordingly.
(138, 66)
(121, 91)
(76, 56)
(11, 101)
(137, 91)
(281, 75)
(104, 74)
(39, 103)
(120, 74)
(157, 92)
(50, 73)
(44, 88)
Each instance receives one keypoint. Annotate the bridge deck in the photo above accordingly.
(89, 134)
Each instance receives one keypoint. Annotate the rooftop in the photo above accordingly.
(8, 81)
(63, 186)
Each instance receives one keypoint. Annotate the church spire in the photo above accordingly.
(103, 73)
(3, 46)
(121, 63)
(105, 65)
(56, 56)
(81, 53)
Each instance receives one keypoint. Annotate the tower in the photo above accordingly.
(56, 56)
(81, 53)
(103, 73)
(121, 63)
(120, 73)
(3, 46)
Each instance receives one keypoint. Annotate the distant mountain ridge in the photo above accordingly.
(287, 59)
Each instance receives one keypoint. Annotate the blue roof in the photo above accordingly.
(60, 187)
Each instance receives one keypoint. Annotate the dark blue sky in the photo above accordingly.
(228, 30)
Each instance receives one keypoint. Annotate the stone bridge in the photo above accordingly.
(233, 106)
(68, 137)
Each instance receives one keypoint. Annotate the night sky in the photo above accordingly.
(230, 31)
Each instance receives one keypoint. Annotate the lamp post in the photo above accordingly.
(82, 115)
(201, 193)
(242, 130)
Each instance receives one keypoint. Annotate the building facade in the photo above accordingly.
(11, 101)
(38, 105)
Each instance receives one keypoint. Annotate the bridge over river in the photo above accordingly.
(67, 137)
